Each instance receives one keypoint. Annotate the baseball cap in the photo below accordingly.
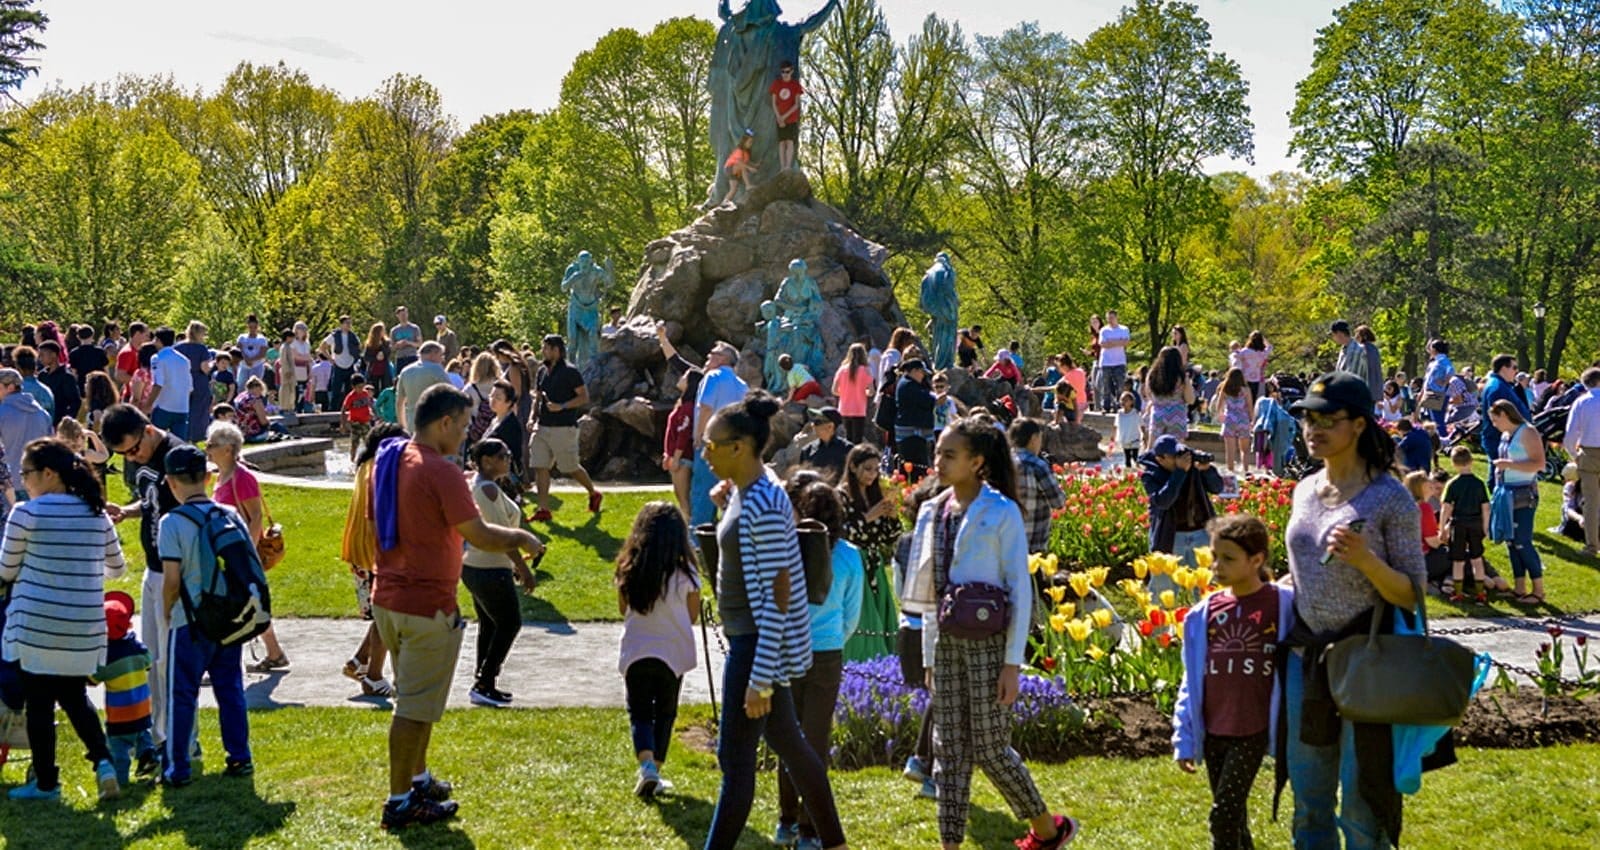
(439, 319)
(827, 414)
(913, 363)
(119, 614)
(1166, 444)
(1336, 391)
(186, 460)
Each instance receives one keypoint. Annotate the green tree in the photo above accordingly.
(19, 28)
(1158, 102)
(215, 282)
(677, 62)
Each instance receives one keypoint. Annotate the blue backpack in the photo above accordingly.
(234, 604)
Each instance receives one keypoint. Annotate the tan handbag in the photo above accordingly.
(270, 547)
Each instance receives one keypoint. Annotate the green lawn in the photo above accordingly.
(562, 779)
(574, 578)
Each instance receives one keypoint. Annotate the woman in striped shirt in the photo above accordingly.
(59, 548)
(761, 596)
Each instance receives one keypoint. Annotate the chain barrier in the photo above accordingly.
(1537, 676)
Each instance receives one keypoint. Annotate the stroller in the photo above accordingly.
(1464, 432)
(1290, 387)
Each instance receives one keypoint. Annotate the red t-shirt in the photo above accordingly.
(358, 406)
(680, 431)
(788, 94)
(1430, 525)
(1241, 636)
(128, 360)
(419, 575)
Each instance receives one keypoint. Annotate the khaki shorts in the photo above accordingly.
(423, 653)
(554, 447)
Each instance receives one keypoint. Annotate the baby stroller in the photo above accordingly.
(1466, 432)
(1290, 387)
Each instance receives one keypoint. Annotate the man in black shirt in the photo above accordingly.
(144, 447)
(913, 421)
(87, 358)
(53, 374)
(553, 441)
(827, 454)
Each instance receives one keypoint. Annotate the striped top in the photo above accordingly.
(126, 675)
(769, 545)
(59, 556)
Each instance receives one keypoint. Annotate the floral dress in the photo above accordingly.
(1236, 416)
(876, 539)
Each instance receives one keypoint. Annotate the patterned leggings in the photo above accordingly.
(971, 728)
(1231, 766)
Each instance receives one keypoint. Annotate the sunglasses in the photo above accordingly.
(1323, 421)
(712, 444)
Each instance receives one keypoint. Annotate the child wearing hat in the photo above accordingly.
(126, 675)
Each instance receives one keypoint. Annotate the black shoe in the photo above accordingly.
(416, 810)
(239, 768)
(149, 764)
(173, 782)
(434, 790)
(488, 697)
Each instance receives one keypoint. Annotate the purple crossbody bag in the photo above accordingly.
(974, 611)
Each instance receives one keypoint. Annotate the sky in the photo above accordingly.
(490, 56)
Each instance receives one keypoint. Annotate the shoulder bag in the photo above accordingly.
(1418, 680)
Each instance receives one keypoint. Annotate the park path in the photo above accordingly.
(570, 665)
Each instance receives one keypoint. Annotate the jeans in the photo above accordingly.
(338, 386)
(1111, 381)
(701, 509)
(190, 656)
(652, 705)
(1524, 558)
(176, 424)
(494, 594)
(815, 695)
(736, 752)
(42, 694)
(123, 749)
(1324, 778)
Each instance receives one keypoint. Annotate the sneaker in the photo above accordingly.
(542, 515)
(239, 768)
(149, 769)
(270, 665)
(433, 788)
(649, 780)
(175, 782)
(809, 842)
(105, 776)
(664, 786)
(416, 810)
(1066, 830)
(487, 697)
(594, 501)
(928, 790)
(786, 835)
(916, 771)
(31, 791)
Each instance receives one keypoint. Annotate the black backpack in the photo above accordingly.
(887, 407)
(234, 604)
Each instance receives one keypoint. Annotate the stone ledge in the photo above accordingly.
(303, 455)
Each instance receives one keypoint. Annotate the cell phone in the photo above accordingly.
(1356, 526)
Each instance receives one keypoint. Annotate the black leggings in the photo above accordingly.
(41, 694)
(908, 643)
(815, 695)
(1231, 766)
(652, 705)
(494, 594)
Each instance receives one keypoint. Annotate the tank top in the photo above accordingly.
(1511, 448)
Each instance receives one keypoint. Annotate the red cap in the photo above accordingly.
(119, 614)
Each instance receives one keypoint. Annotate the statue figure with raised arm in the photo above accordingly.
(585, 286)
(939, 300)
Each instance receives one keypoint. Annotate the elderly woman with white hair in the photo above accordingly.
(237, 487)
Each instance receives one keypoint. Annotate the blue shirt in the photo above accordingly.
(42, 394)
(835, 620)
(720, 387)
(1493, 391)
(1416, 450)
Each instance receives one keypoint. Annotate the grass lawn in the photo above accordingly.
(574, 578)
(562, 779)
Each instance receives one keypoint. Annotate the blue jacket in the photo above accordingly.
(1188, 726)
(1493, 391)
(1164, 488)
(835, 620)
(1416, 450)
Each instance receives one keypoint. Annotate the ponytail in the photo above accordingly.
(986, 441)
(77, 476)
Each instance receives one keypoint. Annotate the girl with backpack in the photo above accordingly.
(658, 595)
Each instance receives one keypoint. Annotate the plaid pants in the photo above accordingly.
(971, 728)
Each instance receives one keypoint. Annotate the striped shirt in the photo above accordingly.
(126, 675)
(769, 545)
(59, 556)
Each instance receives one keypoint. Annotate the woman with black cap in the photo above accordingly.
(1352, 542)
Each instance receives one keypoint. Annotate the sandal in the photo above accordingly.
(354, 670)
(270, 665)
(1528, 599)
(379, 687)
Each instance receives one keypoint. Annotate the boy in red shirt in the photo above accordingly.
(786, 93)
(356, 413)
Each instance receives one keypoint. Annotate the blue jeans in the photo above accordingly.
(124, 748)
(1324, 778)
(736, 753)
(1524, 558)
(701, 509)
(176, 424)
(191, 656)
(1183, 545)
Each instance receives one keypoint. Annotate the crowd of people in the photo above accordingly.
(445, 438)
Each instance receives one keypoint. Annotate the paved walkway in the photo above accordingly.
(567, 665)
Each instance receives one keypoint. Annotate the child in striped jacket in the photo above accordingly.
(126, 675)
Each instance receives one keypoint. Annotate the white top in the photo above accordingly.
(665, 633)
(300, 355)
(1128, 429)
(1118, 355)
(1583, 421)
(254, 348)
(321, 375)
(59, 556)
(500, 511)
(170, 370)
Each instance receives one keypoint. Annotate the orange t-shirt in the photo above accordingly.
(738, 159)
(419, 575)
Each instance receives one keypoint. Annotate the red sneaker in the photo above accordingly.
(542, 515)
(1066, 830)
(594, 501)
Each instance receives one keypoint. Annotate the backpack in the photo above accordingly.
(887, 407)
(482, 417)
(234, 604)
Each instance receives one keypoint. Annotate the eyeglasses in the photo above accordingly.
(27, 471)
(1324, 421)
(712, 444)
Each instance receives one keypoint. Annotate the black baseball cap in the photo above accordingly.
(1336, 391)
(186, 461)
(827, 414)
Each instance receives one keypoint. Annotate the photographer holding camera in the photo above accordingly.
(1180, 482)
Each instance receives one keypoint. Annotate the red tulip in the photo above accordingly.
(1179, 615)
(1158, 617)
(1049, 664)
(1165, 640)
(1146, 629)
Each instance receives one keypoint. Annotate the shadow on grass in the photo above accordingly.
(690, 818)
(50, 826)
(217, 813)
(258, 693)
(994, 830)
(438, 836)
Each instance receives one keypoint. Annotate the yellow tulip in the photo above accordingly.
(1033, 564)
(1204, 558)
(1067, 609)
(1141, 568)
(1052, 564)
(1130, 586)
(1143, 599)
(1183, 577)
(1098, 575)
(1169, 599)
(1055, 593)
(1078, 630)
(1202, 577)
(1095, 653)
(1101, 617)
(1058, 623)
(1080, 584)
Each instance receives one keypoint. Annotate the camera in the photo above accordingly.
(1201, 457)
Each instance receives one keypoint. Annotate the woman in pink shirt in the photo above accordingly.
(1252, 361)
(237, 488)
(852, 385)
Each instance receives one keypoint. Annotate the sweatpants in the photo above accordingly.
(190, 657)
(1231, 766)
(652, 705)
(815, 696)
(153, 630)
(494, 595)
(41, 694)
(970, 727)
